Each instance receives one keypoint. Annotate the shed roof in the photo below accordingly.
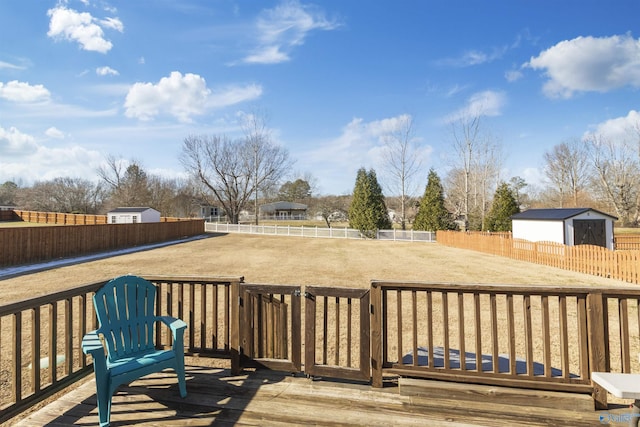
(559, 214)
(131, 210)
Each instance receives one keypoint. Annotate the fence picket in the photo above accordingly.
(594, 260)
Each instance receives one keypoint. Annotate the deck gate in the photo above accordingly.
(336, 330)
(270, 327)
(331, 316)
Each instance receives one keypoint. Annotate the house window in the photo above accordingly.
(135, 219)
(113, 219)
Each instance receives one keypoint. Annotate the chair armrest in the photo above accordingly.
(91, 344)
(176, 325)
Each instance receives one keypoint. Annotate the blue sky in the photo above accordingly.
(83, 79)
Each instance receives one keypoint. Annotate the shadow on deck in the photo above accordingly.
(263, 397)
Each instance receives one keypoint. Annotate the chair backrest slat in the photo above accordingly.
(125, 308)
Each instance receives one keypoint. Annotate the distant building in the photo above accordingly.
(133, 215)
(572, 226)
(283, 211)
(211, 213)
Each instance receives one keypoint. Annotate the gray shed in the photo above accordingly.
(132, 215)
(568, 226)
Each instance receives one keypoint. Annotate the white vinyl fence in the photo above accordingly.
(333, 233)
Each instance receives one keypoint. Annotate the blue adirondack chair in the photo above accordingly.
(125, 308)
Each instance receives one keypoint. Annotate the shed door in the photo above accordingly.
(589, 232)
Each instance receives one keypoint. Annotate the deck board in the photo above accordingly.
(270, 398)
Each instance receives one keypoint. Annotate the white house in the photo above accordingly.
(211, 213)
(133, 215)
(570, 226)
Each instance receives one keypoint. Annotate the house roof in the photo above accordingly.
(131, 210)
(282, 206)
(556, 214)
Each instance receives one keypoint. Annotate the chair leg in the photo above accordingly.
(104, 408)
(182, 385)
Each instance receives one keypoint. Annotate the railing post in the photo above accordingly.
(596, 345)
(376, 334)
(234, 339)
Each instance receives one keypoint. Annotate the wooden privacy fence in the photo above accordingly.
(595, 260)
(40, 337)
(60, 218)
(627, 242)
(22, 245)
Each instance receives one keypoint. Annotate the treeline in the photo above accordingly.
(123, 184)
(237, 175)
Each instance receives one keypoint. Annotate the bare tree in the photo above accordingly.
(266, 161)
(332, 208)
(402, 161)
(232, 171)
(567, 169)
(113, 172)
(616, 175)
(70, 195)
(475, 172)
(128, 182)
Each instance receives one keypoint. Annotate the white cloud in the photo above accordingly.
(182, 96)
(9, 66)
(513, 75)
(360, 144)
(231, 95)
(282, 28)
(14, 143)
(55, 133)
(624, 128)
(486, 103)
(474, 57)
(81, 27)
(21, 156)
(113, 23)
(267, 55)
(589, 64)
(23, 92)
(105, 71)
(456, 89)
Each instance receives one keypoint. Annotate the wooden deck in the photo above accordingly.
(269, 398)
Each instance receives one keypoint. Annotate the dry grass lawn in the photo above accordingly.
(305, 261)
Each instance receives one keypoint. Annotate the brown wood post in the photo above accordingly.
(596, 345)
(376, 334)
(296, 331)
(234, 338)
(309, 332)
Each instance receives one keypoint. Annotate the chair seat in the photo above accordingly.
(139, 360)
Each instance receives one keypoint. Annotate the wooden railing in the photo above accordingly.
(595, 260)
(40, 337)
(23, 245)
(531, 336)
(536, 336)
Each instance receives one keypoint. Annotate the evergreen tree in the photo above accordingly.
(432, 214)
(368, 212)
(504, 205)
